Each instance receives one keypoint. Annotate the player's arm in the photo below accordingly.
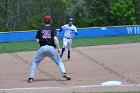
(37, 36)
(56, 42)
(75, 31)
(59, 30)
(62, 28)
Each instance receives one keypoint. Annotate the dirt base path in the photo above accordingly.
(88, 68)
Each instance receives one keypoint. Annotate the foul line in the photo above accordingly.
(69, 87)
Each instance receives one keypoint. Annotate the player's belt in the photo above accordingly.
(68, 38)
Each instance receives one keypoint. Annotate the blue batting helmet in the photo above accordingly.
(71, 19)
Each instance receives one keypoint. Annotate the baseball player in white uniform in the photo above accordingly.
(70, 31)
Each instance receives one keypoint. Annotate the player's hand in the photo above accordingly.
(76, 33)
(59, 51)
(37, 40)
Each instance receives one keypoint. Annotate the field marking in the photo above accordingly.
(104, 66)
(69, 87)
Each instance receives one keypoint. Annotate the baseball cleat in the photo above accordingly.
(30, 80)
(66, 76)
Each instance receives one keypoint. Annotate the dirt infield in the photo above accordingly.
(88, 67)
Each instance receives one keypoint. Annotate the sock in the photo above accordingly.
(68, 54)
(63, 49)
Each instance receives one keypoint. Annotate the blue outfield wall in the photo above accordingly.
(83, 33)
(17, 36)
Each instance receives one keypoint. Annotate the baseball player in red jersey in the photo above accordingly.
(47, 38)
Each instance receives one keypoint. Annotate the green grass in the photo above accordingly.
(33, 46)
(106, 41)
(18, 46)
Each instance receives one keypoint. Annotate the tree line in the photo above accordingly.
(16, 15)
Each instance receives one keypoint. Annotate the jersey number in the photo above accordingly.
(71, 32)
(46, 33)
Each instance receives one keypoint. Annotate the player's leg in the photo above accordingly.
(56, 58)
(64, 46)
(62, 51)
(38, 58)
(68, 55)
(69, 47)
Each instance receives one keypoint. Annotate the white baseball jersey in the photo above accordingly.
(69, 30)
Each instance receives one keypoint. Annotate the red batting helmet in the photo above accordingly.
(47, 19)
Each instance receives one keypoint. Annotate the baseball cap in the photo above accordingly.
(71, 19)
(47, 18)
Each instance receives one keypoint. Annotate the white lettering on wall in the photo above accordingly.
(133, 30)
